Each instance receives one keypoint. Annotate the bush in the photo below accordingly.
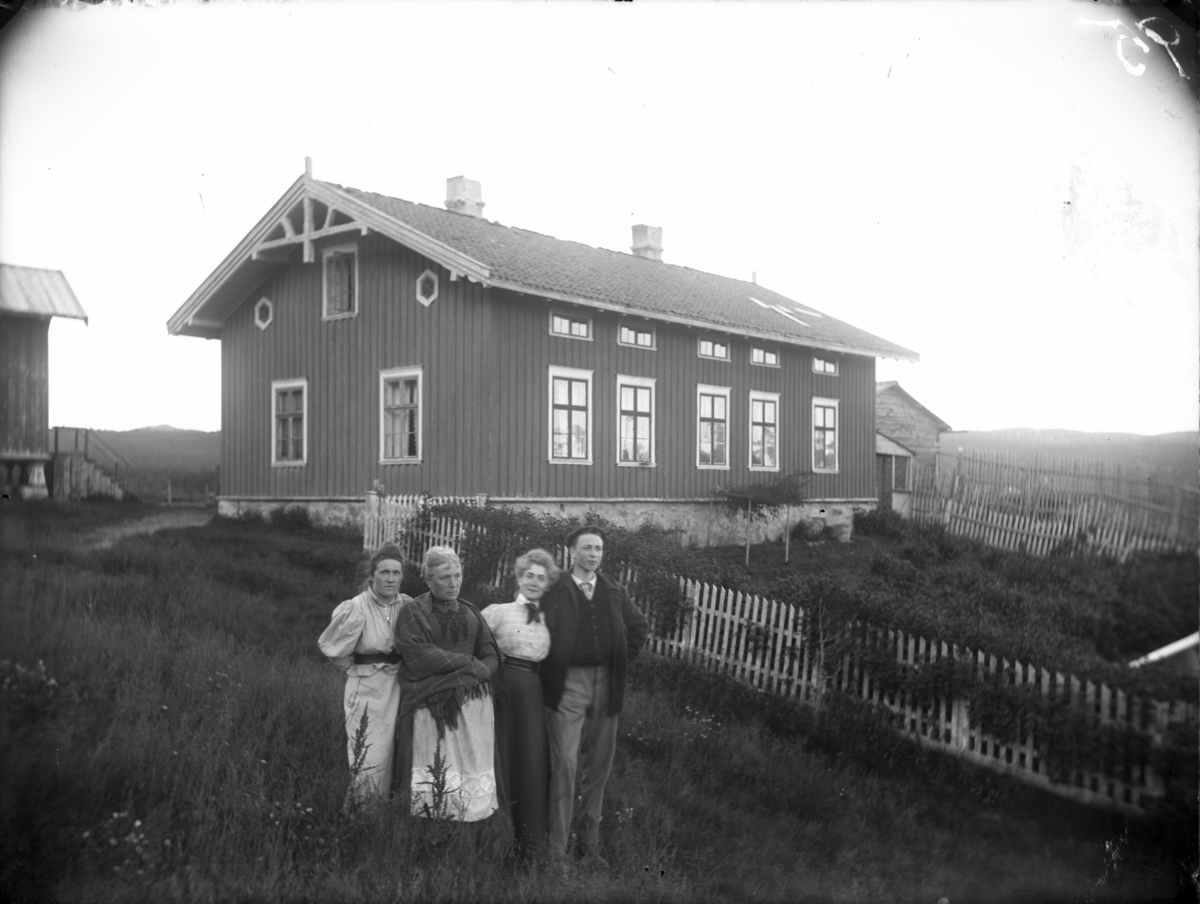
(880, 522)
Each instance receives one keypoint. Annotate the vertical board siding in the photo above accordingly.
(25, 402)
(484, 355)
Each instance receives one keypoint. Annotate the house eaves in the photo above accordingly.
(888, 385)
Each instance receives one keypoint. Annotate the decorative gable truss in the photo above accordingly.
(309, 211)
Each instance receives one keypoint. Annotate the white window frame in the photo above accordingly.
(637, 383)
(700, 345)
(703, 389)
(756, 396)
(576, 318)
(569, 373)
(426, 301)
(837, 435)
(635, 330)
(827, 363)
(262, 304)
(278, 386)
(758, 349)
(326, 254)
(402, 373)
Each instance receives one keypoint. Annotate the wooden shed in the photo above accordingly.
(29, 297)
(906, 421)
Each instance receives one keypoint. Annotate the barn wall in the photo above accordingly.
(24, 385)
(907, 424)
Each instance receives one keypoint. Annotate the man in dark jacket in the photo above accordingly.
(595, 632)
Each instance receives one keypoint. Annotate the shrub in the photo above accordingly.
(880, 522)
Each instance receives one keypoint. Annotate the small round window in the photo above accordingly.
(263, 313)
(427, 287)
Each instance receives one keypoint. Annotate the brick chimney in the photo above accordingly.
(647, 242)
(464, 195)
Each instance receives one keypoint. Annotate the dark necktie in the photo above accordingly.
(532, 613)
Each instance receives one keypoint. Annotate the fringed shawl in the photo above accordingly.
(440, 668)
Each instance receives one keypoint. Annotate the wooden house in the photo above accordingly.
(370, 339)
(29, 298)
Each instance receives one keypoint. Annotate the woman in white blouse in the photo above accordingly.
(524, 641)
(359, 642)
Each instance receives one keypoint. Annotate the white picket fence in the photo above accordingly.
(389, 519)
(761, 642)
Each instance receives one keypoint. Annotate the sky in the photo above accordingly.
(1009, 189)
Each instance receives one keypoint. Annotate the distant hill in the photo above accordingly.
(1168, 457)
(165, 448)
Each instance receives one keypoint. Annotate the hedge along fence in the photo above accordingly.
(1073, 737)
(1077, 738)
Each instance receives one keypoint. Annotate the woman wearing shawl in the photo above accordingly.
(524, 641)
(359, 642)
(445, 737)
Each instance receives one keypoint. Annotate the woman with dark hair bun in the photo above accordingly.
(359, 641)
(524, 641)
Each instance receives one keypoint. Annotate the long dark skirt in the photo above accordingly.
(525, 759)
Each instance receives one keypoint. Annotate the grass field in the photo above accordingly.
(182, 740)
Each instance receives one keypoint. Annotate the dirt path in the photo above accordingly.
(167, 519)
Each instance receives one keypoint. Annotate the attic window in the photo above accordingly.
(639, 338)
(764, 357)
(711, 348)
(427, 287)
(341, 281)
(824, 366)
(264, 313)
(570, 325)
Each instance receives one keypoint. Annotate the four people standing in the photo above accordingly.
(565, 642)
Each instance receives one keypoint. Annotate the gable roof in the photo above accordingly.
(894, 386)
(535, 264)
(36, 292)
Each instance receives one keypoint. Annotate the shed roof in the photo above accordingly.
(35, 292)
(894, 386)
(532, 263)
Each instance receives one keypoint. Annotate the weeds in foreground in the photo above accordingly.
(193, 747)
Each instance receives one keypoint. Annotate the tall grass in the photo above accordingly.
(185, 741)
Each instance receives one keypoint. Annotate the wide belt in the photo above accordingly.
(376, 658)
(526, 665)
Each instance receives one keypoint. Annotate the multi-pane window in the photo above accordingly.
(628, 335)
(764, 356)
(635, 421)
(341, 281)
(570, 325)
(712, 426)
(764, 431)
(825, 427)
(711, 348)
(570, 416)
(289, 403)
(400, 422)
(824, 366)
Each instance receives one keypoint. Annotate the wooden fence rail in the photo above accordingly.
(1057, 507)
(764, 643)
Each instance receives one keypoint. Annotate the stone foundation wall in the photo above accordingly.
(703, 524)
(699, 522)
(342, 513)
